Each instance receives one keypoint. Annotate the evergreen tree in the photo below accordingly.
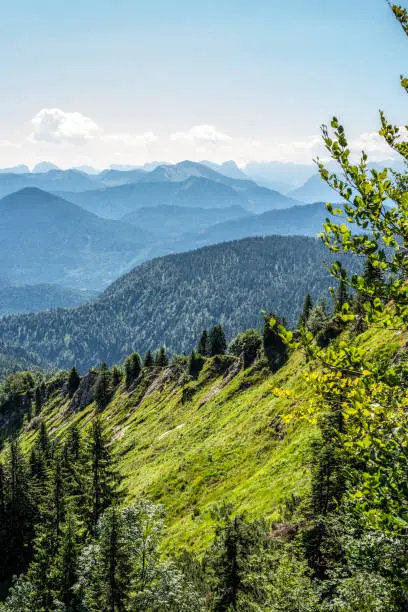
(195, 364)
(217, 344)
(103, 387)
(43, 443)
(39, 395)
(72, 446)
(341, 296)
(307, 308)
(40, 462)
(65, 564)
(117, 375)
(73, 381)
(19, 513)
(47, 540)
(274, 348)
(133, 367)
(202, 347)
(102, 488)
(161, 359)
(229, 559)
(74, 466)
(148, 360)
(246, 346)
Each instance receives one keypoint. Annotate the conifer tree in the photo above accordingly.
(236, 541)
(195, 363)
(202, 347)
(65, 564)
(217, 344)
(117, 375)
(341, 296)
(102, 488)
(133, 368)
(103, 387)
(40, 460)
(274, 348)
(148, 360)
(161, 358)
(48, 537)
(43, 443)
(39, 394)
(73, 381)
(307, 308)
(20, 512)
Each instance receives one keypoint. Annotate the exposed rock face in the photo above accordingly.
(84, 395)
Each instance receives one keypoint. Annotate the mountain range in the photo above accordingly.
(46, 239)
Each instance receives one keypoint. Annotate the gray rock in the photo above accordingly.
(84, 395)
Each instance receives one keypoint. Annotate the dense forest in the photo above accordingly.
(168, 301)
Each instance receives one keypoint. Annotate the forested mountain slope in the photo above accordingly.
(193, 443)
(218, 438)
(171, 299)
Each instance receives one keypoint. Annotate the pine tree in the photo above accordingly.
(116, 563)
(274, 348)
(102, 488)
(307, 308)
(195, 364)
(43, 443)
(65, 564)
(73, 381)
(103, 387)
(342, 296)
(133, 367)
(39, 395)
(202, 347)
(40, 460)
(20, 513)
(161, 359)
(117, 375)
(74, 467)
(235, 543)
(48, 537)
(72, 446)
(148, 360)
(217, 344)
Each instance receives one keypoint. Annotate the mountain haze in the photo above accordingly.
(48, 239)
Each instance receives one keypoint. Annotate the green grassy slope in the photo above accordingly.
(218, 438)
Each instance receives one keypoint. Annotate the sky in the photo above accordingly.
(100, 82)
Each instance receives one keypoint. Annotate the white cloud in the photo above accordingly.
(6, 144)
(57, 126)
(130, 140)
(375, 146)
(202, 134)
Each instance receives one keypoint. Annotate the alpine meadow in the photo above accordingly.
(203, 362)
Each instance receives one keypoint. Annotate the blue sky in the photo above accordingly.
(104, 82)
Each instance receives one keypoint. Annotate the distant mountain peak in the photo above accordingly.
(228, 168)
(44, 166)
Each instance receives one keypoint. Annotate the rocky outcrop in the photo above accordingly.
(84, 395)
